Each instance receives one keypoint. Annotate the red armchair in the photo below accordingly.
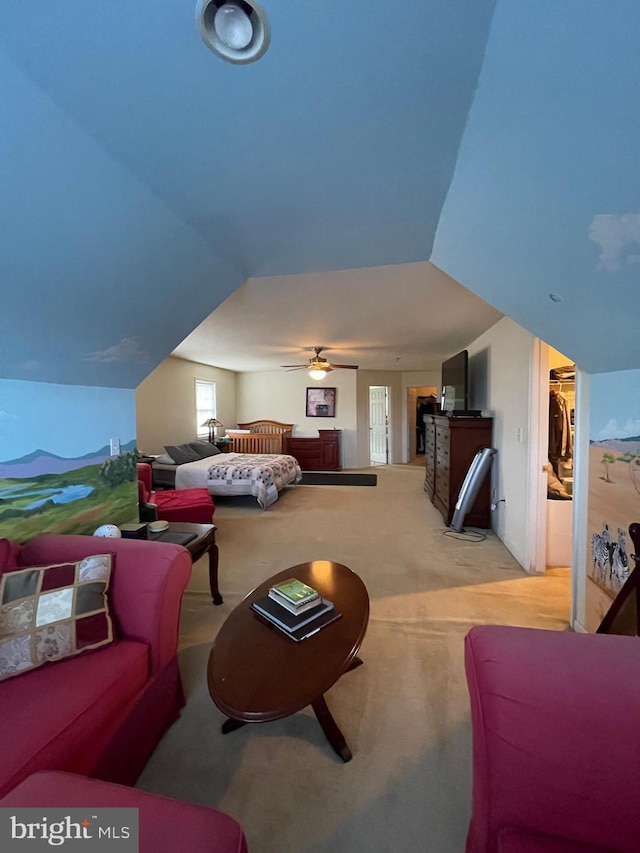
(192, 505)
(556, 741)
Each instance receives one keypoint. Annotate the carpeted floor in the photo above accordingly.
(404, 713)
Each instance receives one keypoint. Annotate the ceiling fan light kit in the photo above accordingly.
(318, 367)
(317, 373)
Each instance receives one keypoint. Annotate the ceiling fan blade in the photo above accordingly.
(293, 366)
(345, 366)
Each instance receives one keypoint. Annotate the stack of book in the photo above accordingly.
(296, 609)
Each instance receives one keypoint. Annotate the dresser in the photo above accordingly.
(317, 454)
(450, 446)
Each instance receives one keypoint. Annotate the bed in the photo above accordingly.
(264, 436)
(261, 475)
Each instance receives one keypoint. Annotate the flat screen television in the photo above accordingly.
(455, 383)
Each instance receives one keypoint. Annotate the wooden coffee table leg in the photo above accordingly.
(356, 662)
(331, 730)
(230, 725)
(214, 556)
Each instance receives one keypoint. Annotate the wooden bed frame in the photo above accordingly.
(265, 436)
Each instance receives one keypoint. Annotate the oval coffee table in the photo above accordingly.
(256, 674)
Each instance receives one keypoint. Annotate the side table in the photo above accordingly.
(149, 460)
(204, 543)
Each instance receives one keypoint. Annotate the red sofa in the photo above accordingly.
(165, 825)
(556, 738)
(102, 712)
(191, 505)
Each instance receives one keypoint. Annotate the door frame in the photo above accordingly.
(387, 415)
(536, 532)
(536, 529)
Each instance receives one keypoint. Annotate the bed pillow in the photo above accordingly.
(181, 453)
(164, 459)
(48, 613)
(204, 449)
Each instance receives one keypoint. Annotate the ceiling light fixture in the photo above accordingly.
(235, 30)
(317, 374)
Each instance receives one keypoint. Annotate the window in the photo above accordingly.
(205, 405)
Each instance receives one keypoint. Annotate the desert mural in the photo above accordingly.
(57, 474)
(614, 487)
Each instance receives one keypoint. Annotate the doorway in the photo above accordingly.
(378, 425)
(550, 516)
(416, 395)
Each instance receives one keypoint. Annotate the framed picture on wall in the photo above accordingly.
(321, 403)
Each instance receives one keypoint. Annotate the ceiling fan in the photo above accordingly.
(317, 366)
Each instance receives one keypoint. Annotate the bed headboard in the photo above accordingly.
(264, 436)
(266, 426)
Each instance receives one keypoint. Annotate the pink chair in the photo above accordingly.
(556, 739)
(193, 505)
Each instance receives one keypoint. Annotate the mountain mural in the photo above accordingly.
(621, 445)
(40, 462)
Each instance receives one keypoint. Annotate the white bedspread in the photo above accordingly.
(262, 476)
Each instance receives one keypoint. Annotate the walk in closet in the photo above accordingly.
(562, 401)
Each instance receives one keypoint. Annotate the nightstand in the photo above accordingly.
(144, 458)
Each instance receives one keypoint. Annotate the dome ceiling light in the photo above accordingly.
(236, 30)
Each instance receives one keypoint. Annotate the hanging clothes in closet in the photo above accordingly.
(424, 406)
(560, 440)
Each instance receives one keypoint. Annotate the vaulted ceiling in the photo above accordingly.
(143, 179)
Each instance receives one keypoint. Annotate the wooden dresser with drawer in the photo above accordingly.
(316, 454)
(450, 446)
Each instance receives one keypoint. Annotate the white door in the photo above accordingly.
(378, 425)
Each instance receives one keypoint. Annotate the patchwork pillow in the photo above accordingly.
(181, 453)
(52, 612)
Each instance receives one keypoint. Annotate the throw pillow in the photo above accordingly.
(52, 612)
(181, 453)
(204, 449)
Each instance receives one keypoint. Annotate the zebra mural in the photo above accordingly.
(609, 561)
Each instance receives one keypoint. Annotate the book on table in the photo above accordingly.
(311, 623)
(273, 611)
(294, 592)
(294, 608)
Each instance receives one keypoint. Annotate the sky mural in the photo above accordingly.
(616, 413)
(57, 474)
(66, 420)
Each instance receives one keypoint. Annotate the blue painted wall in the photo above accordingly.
(545, 192)
(100, 279)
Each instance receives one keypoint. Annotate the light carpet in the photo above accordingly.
(404, 714)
